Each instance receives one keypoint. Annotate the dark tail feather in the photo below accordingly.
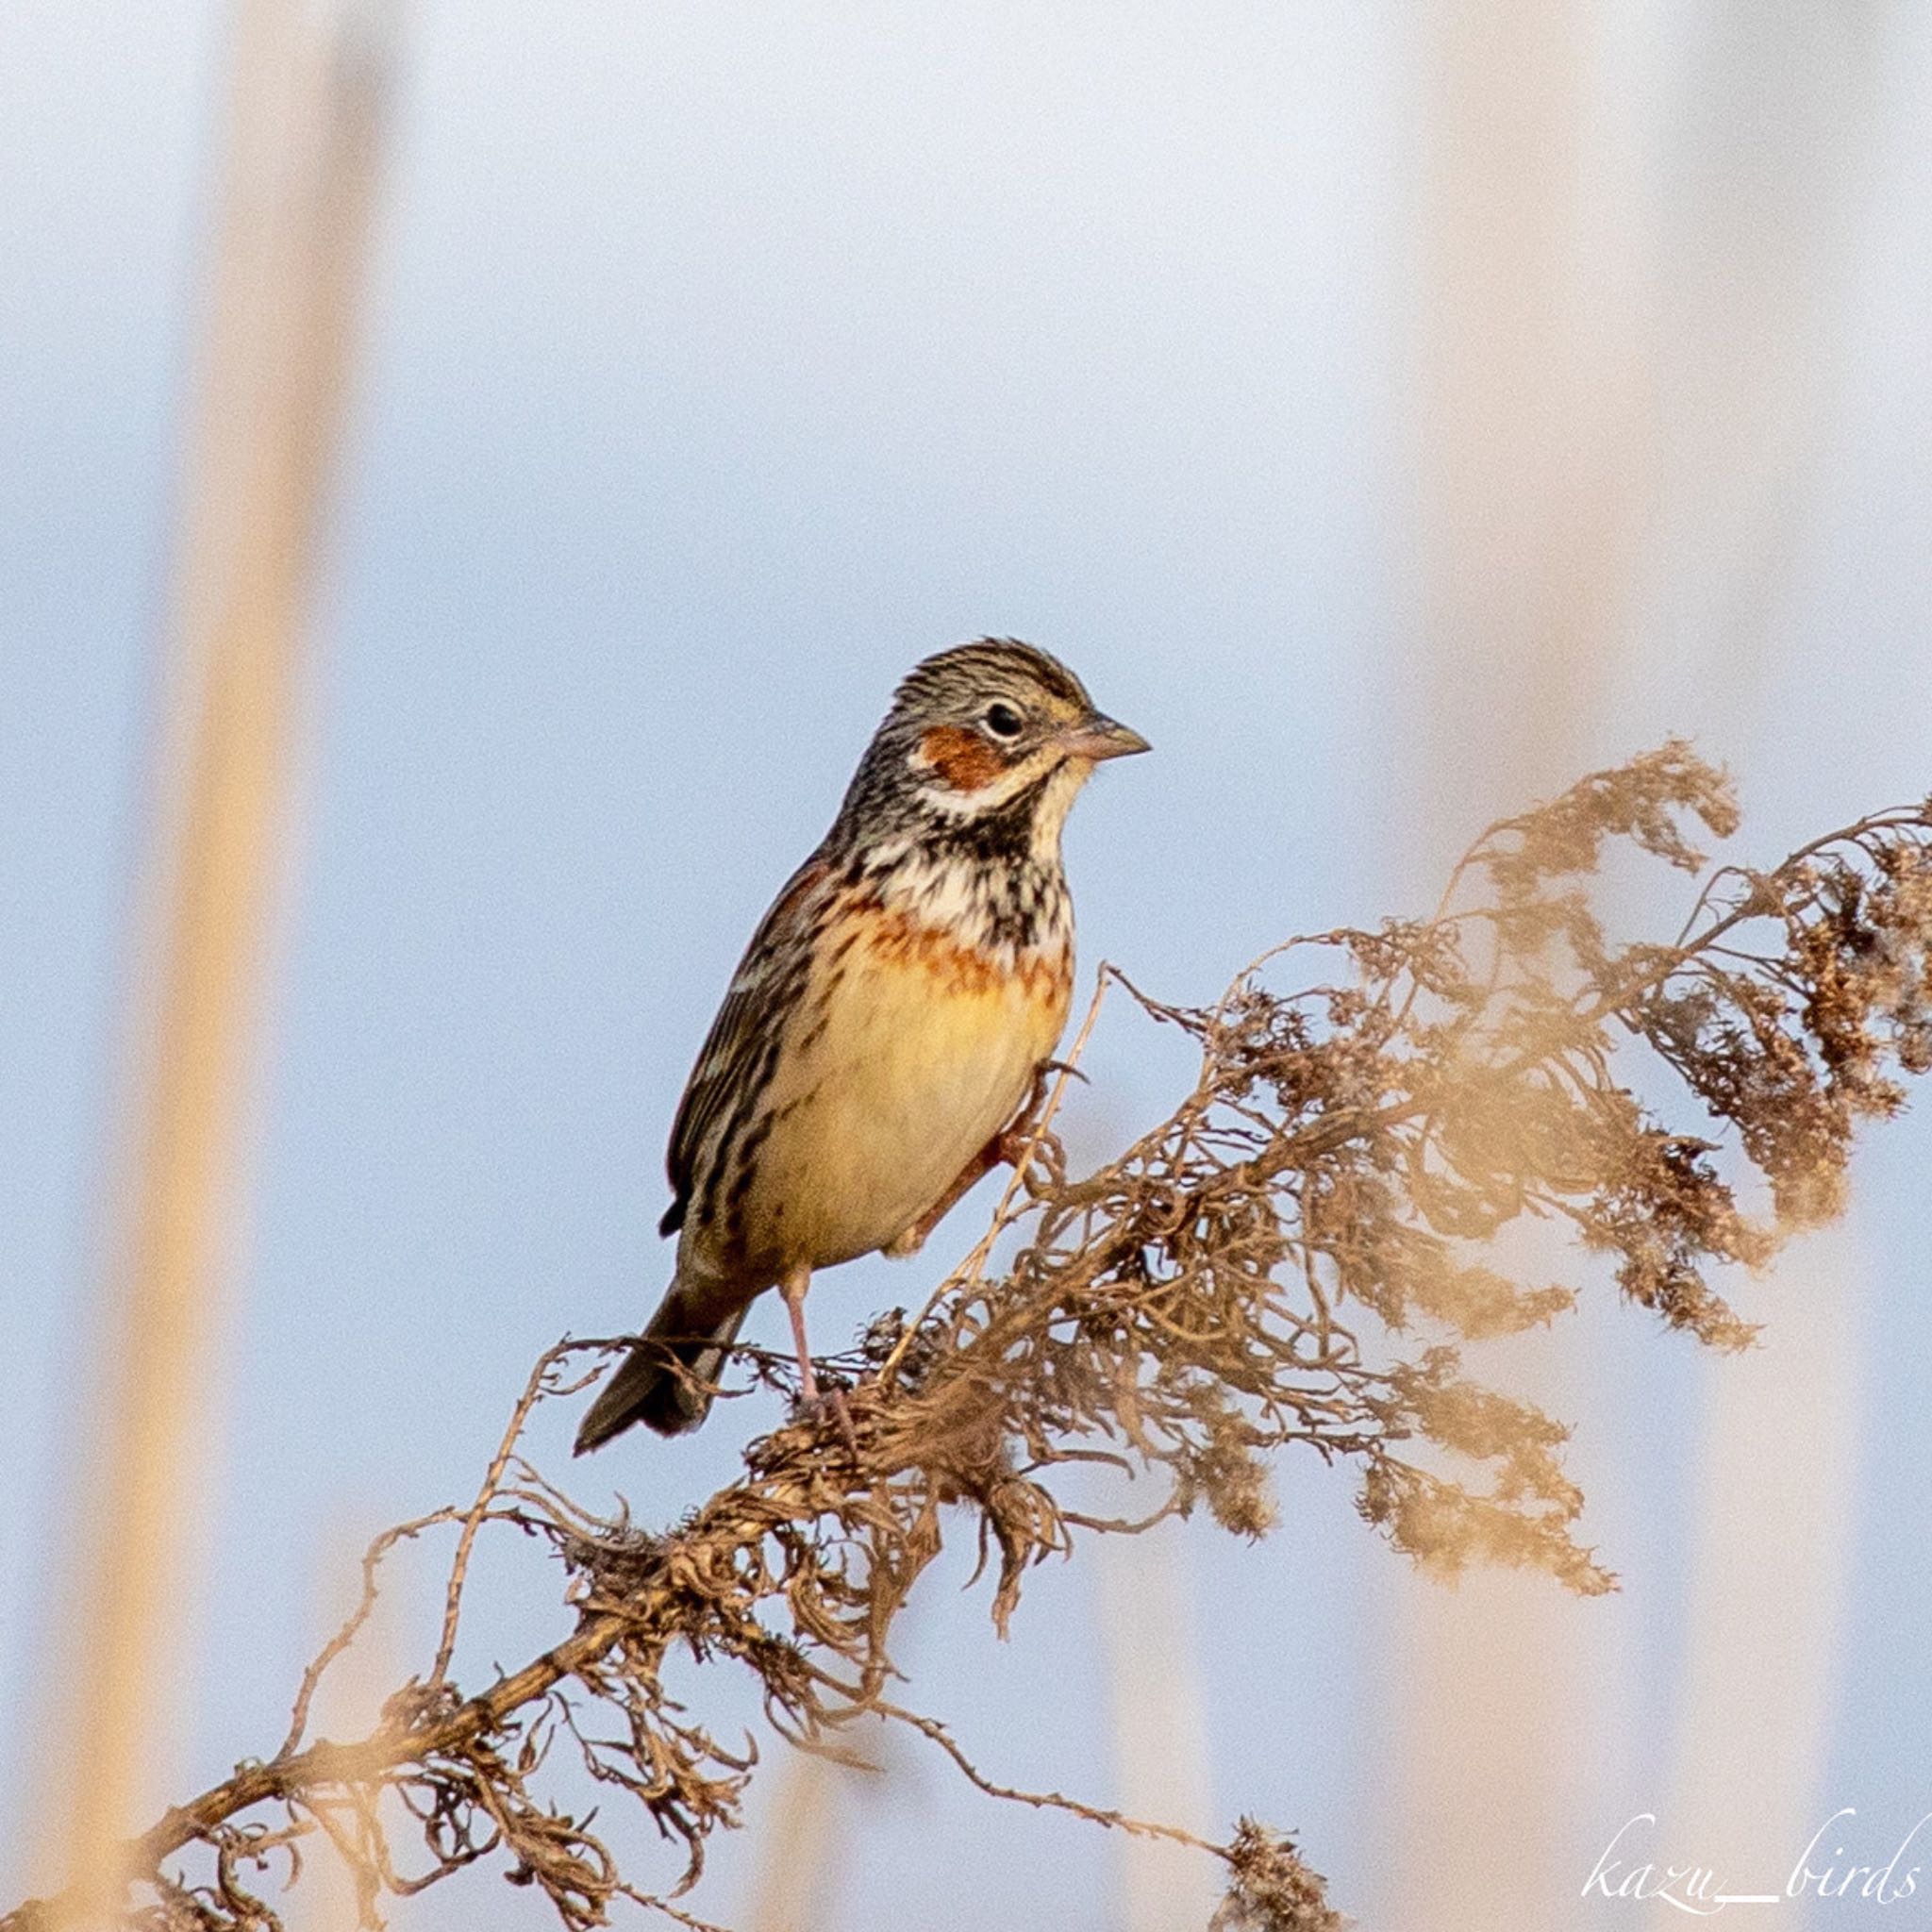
(648, 1385)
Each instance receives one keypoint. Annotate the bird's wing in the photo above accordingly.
(772, 974)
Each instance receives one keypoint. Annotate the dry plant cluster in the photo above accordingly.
(1297, 1255)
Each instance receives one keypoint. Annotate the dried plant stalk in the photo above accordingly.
(286, 277)
(1296, 1256)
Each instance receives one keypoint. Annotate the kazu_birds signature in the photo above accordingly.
(888, 1020)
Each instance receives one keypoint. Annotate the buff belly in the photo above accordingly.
(910, 1058)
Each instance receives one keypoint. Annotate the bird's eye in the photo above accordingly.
(1002, 721)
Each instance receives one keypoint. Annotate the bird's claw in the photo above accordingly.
(820, 1401)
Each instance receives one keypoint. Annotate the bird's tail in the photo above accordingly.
(666, 1381)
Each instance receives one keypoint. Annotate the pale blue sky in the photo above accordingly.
(722, 360)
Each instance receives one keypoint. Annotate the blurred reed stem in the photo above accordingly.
(287, 259)
(1160, 1746)
(1534, 479)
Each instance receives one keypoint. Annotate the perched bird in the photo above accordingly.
(886, 1022)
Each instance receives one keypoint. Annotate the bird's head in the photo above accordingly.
(995, 730)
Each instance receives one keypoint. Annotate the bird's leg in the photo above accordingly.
(792, 1288)
(1007, 1147)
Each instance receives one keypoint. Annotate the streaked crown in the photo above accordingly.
(969, 675)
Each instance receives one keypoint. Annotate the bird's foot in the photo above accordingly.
(1010, 1146)
(822, 1402)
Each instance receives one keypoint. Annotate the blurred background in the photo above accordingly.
(1391, 410)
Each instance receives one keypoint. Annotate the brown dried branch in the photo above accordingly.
(1300, 1254)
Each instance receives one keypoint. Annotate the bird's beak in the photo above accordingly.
(1098, 736)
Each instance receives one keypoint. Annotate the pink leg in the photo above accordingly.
(792, 1288)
